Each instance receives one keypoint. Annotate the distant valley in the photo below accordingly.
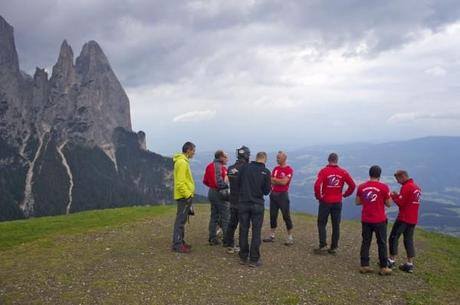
(431, 161)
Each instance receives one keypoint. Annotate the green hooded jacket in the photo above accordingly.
(184, 186)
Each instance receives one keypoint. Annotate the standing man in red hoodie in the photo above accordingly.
(373, 196)
(215, 177)
(328, 191)
(408, 201)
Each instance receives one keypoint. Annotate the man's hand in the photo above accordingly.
(395, 194)
(189, 200)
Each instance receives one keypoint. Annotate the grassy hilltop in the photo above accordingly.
(122, 256)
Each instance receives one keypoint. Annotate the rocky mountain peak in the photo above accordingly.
(92, 60)
(8, 55)
(66, 142)
(63, 75)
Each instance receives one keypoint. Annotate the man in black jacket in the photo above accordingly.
(242, 155)
(254, 182)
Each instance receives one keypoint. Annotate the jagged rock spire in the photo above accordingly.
(8, 56)
(63, 75)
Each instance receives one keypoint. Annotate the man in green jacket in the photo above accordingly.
(184, 189)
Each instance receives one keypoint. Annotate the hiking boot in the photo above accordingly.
(385, 271)
(289, 242)
(320, 250)
(269, 239)
(332, 251)
(255, 264)
(365, 269)
(187, 245)
(409, 268)
(233, 250)
(243, 261)
(182, 249)
(214, 242)
(391, 264)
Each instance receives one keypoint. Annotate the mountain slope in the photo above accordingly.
(122, 256)
(66, 142)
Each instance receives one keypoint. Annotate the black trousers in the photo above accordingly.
(401, 227)
(183, 208)
(220, 213)
(324, 210)
(380, 230)
(229, 237)
(250, 215)
(280, 201)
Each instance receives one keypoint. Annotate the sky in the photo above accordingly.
(268, 74)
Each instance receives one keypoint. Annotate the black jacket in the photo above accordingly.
(254, 182)
(233, 174)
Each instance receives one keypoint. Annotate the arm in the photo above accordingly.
(280, 181)
(205, 177)
(267, 185)
(388, 202)
(317, 187)
(397, 198)
(358, 201)
(351, 186)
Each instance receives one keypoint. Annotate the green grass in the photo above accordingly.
(437, 263)
(13, 233)
(439, 266)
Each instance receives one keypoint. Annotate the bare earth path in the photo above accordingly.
(133, 264)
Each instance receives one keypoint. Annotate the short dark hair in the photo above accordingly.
(375, 171)
(219, 154)
(261, 155)
(333, 157)
(401, 173)
(187, 146)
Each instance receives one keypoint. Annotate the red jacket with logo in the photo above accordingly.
(214, 176)
(330, 182)
(408, 201)
(373, 195)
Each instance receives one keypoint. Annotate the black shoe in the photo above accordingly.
(255, 264)
(214, 242)
(332, 251)
(407, 268)
(269, 239)
(243, 261)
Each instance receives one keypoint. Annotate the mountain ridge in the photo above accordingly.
(60, 132)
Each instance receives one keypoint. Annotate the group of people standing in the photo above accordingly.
(236, 196)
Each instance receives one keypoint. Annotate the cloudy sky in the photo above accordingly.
(268, 74)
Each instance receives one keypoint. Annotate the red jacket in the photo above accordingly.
(408, 201)
(211, 177)
(330, 183)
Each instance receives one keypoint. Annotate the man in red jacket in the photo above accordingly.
(373, 196)
(215, 178)
(328, 191)
(408, 201)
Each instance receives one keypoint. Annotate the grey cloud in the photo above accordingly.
(194, 31)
